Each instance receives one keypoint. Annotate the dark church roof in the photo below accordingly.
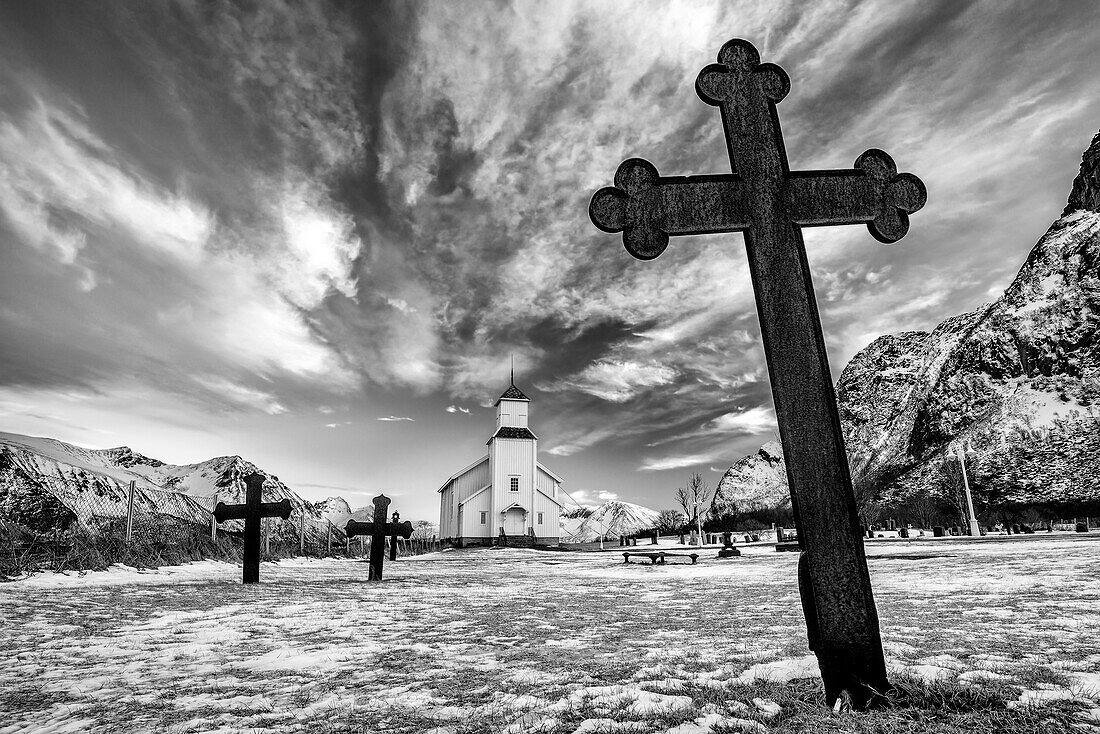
(512, 393)
(512, 432)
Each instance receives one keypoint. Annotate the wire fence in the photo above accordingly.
(103, 521)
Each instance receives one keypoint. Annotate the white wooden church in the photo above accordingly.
(507, 496)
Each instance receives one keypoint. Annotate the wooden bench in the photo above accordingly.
(659, 557)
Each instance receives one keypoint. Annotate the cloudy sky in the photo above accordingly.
(314, 234)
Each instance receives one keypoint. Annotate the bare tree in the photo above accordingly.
(695, 498)
(670, 521)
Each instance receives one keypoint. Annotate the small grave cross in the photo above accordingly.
(378, 530)
(769, 203)
(252, 511)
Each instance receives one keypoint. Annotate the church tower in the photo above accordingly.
(507, 497)
(512, 455)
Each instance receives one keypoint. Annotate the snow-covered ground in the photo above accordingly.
(523, 640)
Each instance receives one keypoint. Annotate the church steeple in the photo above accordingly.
(512, 407)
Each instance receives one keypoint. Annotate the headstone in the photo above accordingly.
(654, 540)
(892, 524)
(378, 530)
(727, 540)
(252, 512)
(937, 531)
(903, 532)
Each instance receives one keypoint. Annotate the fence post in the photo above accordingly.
(213, 520)
(267, 537)
(302, 535)
(328, 538)
(361, 545)
(130, 512)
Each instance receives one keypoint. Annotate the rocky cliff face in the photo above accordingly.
(1018, 382)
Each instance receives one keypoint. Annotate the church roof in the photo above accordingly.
(512, 432)
(512, 393)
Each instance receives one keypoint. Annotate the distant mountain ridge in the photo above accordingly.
(1017, 382)
(44, 482)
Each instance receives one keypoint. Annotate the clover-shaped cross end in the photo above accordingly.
(899, 195)
(632, 206)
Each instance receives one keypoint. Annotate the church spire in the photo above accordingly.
(512, 373)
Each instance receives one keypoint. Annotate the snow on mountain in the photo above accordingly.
(45, 483)
(1016, 382)
(610, 519)
(335, 509)
(754, 482)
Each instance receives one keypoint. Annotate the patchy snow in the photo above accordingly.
(523, 640)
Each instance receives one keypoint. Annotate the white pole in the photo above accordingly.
(130, 512)
(975, 529)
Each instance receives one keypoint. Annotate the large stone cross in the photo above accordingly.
(769, 203)
(252, 511)
(378, 530)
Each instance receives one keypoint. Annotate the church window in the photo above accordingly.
(540, 518)
(484, 516)
(513, 484)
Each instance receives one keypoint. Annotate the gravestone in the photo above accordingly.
(937, 531)
(378, 530)
(727, 550)
(903, 532)
(252, 512)
(653, 541)
(769, 203)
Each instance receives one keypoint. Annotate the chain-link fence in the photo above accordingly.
(104, 521)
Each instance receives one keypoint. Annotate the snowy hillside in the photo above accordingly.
(609, 520)
(46, 483)
(1017, 381)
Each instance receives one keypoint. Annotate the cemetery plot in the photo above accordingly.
(466, 641)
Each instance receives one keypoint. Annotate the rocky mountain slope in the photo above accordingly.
(610, 520)
(1015, 383)
(47, 484)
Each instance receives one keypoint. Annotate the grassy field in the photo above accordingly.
(986, 634)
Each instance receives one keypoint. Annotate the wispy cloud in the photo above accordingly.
(457, 409)
(394, 418)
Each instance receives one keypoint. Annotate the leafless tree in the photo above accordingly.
(695, 498)
(670, 521)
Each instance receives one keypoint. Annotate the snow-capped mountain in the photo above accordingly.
(45, 483)
(1016, 383)
(610, 520)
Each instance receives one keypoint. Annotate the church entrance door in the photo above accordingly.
(513, 521)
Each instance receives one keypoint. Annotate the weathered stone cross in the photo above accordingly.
(252, 511)
(378, 530)
(770, 203)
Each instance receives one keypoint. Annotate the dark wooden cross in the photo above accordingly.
(769, 203)
(378, 530)
(252, 511)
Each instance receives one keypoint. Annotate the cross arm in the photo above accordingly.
(873, 193)
(224, 512)
(281, 509)
(648, 208)
(400, 529)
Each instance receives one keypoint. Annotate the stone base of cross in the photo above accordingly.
(770, 204)
(252, 511)
(378, 530)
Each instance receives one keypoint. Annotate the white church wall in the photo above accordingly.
(512, 458)
(473, 510)
(547, 484)
(551, 517)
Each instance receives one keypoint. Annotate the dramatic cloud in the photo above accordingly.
(229, 218)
